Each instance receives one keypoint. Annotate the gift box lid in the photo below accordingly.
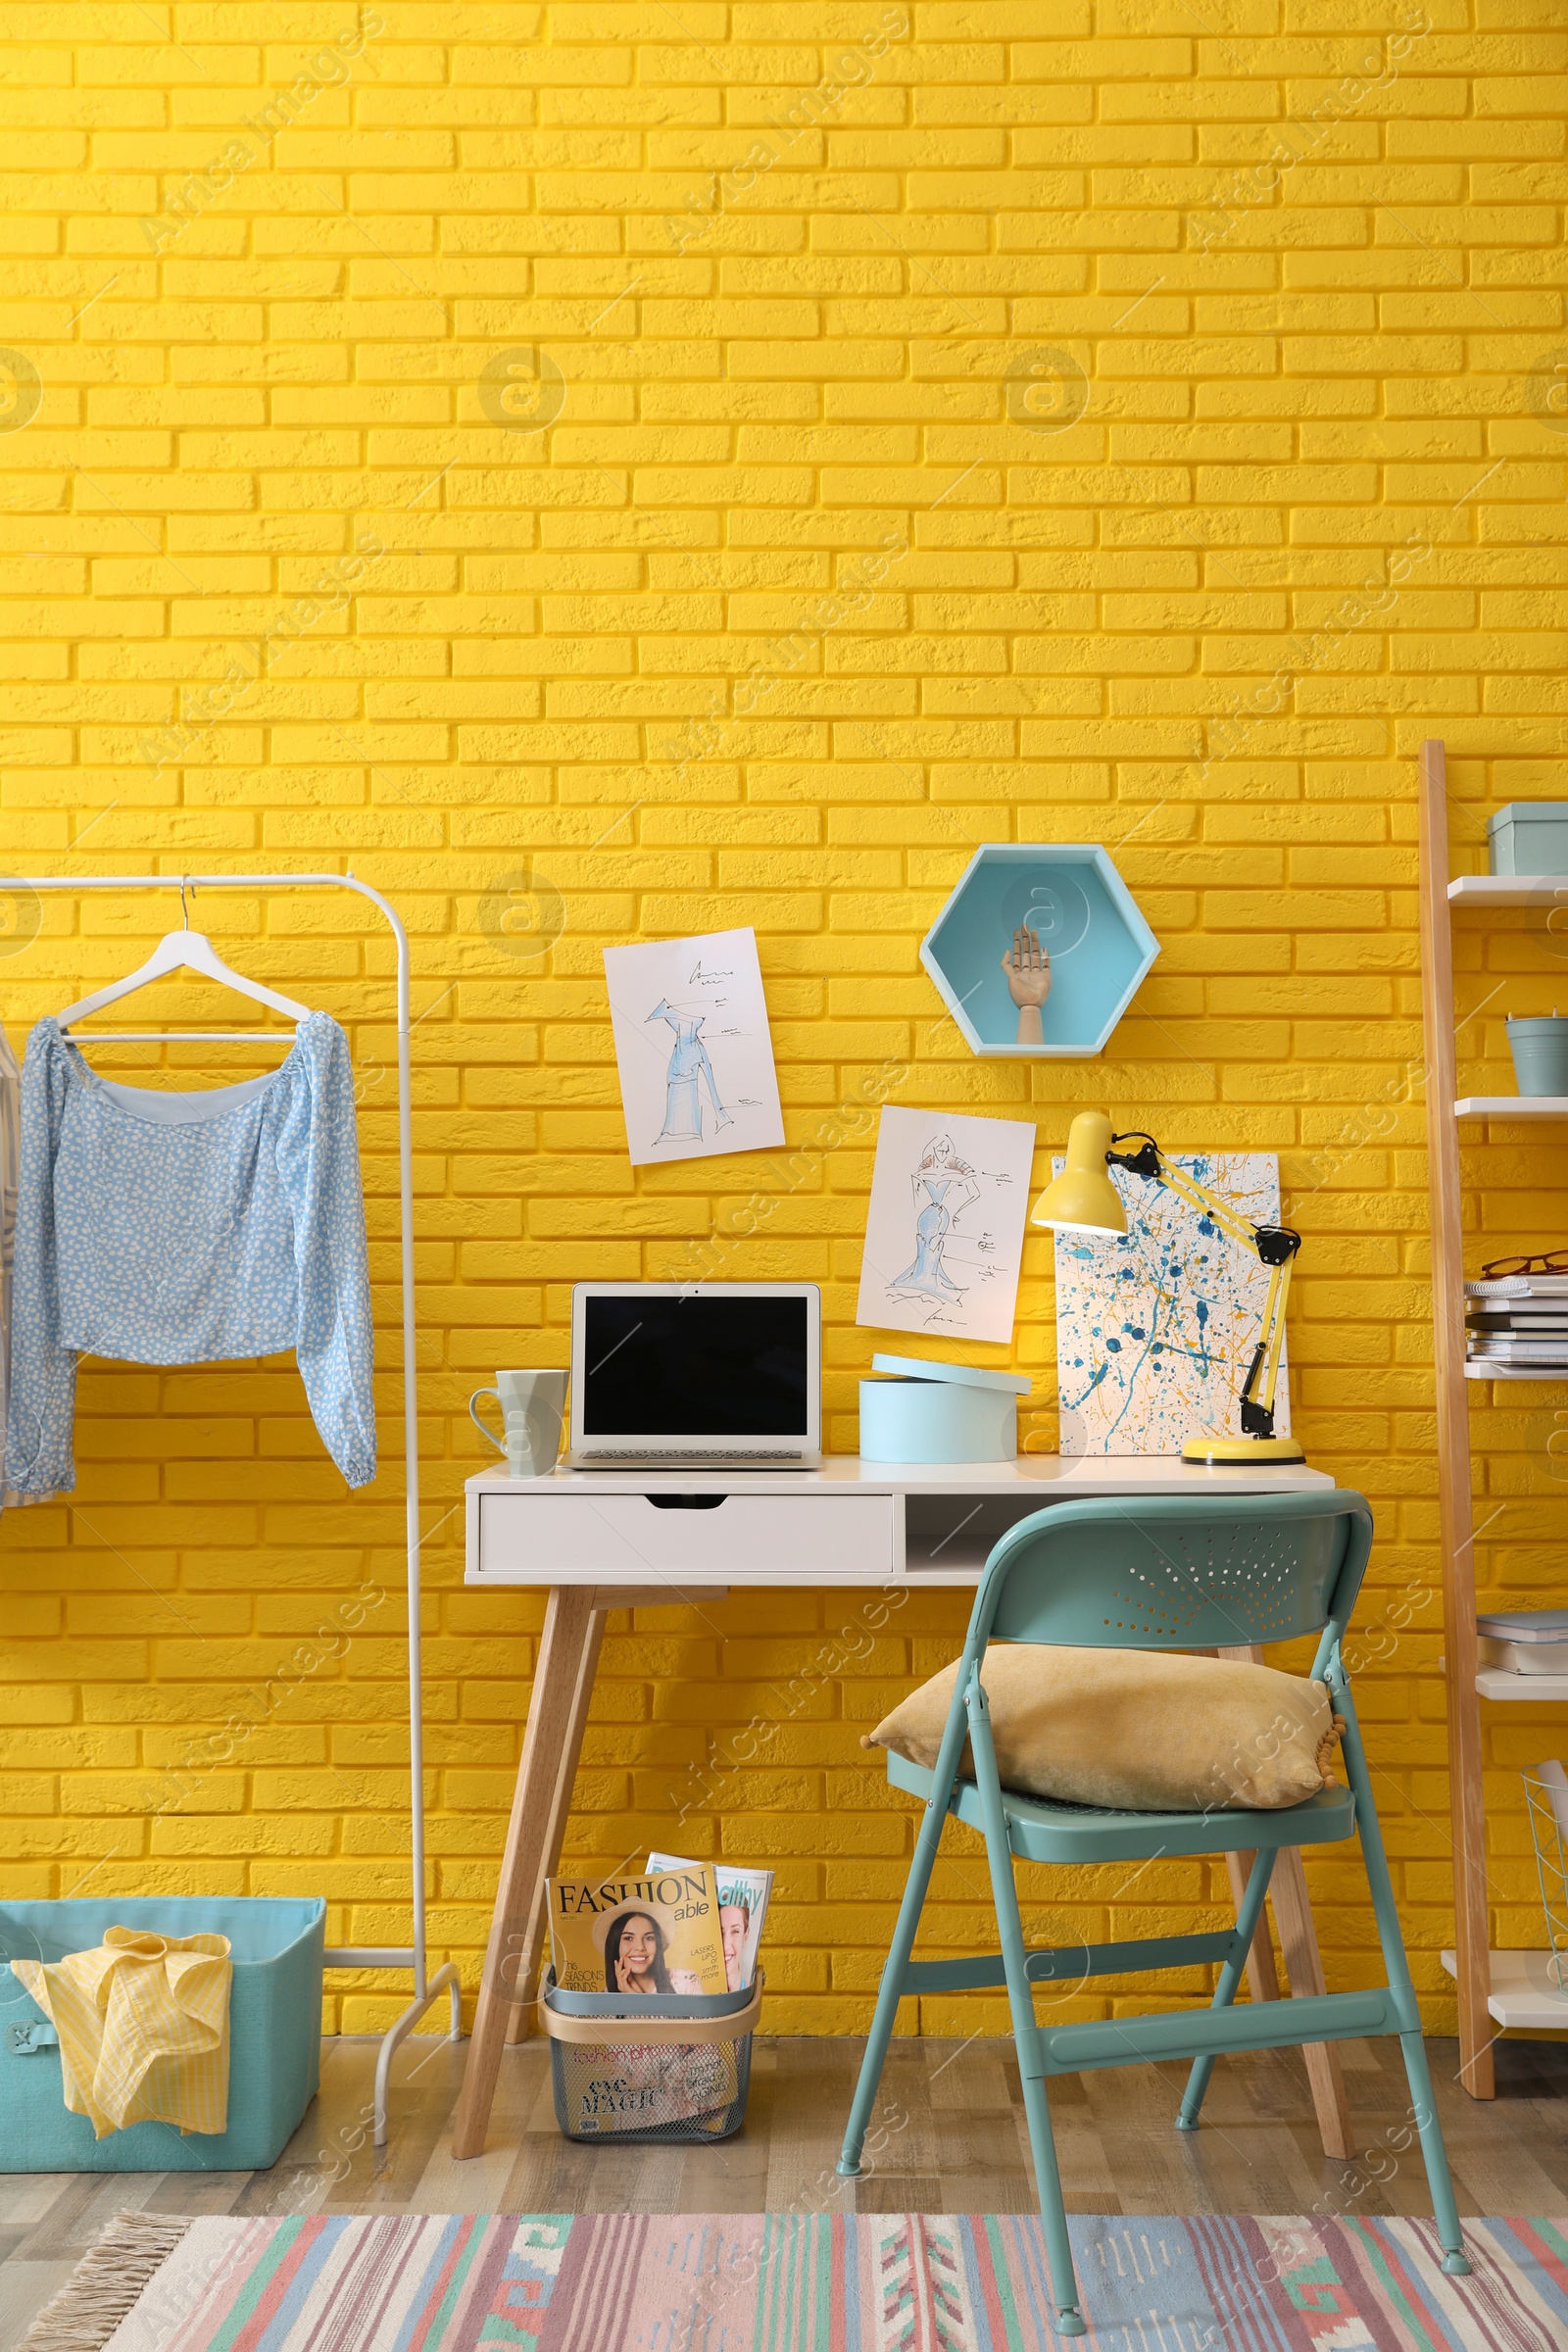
(1551, 812)
(958, 1376)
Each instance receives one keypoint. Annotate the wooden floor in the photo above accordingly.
(949, 2137)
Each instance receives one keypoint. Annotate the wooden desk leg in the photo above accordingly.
(554, 1707)
(1304, 1965)
(1303, 1962)
(530, 1957)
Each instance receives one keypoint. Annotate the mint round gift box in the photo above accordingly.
(936, 1412)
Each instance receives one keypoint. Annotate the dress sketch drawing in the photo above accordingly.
(954, 1187)
(948, 1186)
(689, 1070)
(693, 1054)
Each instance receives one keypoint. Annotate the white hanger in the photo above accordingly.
(178, 950)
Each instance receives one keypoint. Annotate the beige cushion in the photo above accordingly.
(1137, 1730)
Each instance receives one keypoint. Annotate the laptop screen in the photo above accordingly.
(700, 1366)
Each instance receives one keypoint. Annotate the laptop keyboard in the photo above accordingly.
(708, 1453)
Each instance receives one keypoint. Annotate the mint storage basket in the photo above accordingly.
(1529, 837)
(679, 2070)
(275, 2035)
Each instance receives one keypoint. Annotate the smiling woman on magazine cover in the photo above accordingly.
(634, 1958)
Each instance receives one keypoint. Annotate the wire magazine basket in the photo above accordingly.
(1547, 1794)
(679, 2070)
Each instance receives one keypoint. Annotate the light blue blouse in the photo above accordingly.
(185, 1228)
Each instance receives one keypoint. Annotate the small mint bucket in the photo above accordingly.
(1540, 1049)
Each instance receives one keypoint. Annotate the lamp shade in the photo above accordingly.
(1082, 1198)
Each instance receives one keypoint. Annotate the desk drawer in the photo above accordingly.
(558, 1537)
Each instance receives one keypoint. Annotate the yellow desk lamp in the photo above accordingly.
(1083, 1200)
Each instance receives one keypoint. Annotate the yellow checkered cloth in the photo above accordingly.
(143, 2027)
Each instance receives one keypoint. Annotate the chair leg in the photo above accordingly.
(1230, 1975)
(891, 1990)
(1440, 2181)
(1026, 2033)
(1384, 1910)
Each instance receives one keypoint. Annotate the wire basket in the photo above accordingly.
(679, 2070)
(1547, 1794)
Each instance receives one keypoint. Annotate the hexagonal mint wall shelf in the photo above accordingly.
(1073, 897)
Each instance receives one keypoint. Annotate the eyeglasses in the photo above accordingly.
(1544, 1262)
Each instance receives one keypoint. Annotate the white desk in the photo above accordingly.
(848, 1523)
(603, 1539)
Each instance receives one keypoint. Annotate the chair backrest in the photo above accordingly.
(1177, 1571)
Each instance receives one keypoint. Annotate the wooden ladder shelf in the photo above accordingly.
(1496, 1988)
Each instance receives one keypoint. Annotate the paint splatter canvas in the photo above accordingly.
(1155, 1329)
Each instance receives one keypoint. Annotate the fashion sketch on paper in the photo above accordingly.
(948, 1186)
(689, 1071)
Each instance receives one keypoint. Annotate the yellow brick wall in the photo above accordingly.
(292, 582)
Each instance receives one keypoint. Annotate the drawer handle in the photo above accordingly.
(685, 1502)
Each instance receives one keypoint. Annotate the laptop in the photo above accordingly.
(674, 1375)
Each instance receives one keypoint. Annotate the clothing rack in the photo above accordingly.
(427, 1987)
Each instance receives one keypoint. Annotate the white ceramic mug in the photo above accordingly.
(532, 1405)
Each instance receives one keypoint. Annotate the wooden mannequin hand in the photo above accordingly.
(1028, 970)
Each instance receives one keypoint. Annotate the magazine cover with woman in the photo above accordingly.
(742, 1908)
(658, 1934)
(655, 1934)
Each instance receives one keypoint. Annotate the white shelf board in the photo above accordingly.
(1496, 1681)
(1511, 1106)
(1522, 1993)
(1506, 890)
(1479, 1371)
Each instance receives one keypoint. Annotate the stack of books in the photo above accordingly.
(1523, 1640)
(1520, 1319)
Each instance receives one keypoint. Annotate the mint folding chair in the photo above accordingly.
(1178, 1572)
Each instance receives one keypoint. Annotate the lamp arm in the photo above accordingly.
(1256, 1399)
(1152, 1161)
(1273, 1333)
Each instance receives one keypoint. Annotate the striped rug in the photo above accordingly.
(819, 2282)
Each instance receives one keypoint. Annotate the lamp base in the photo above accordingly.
(1244, 1453)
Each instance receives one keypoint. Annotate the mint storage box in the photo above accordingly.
(929, 1413)
(1529, 837)
(275, 2035)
